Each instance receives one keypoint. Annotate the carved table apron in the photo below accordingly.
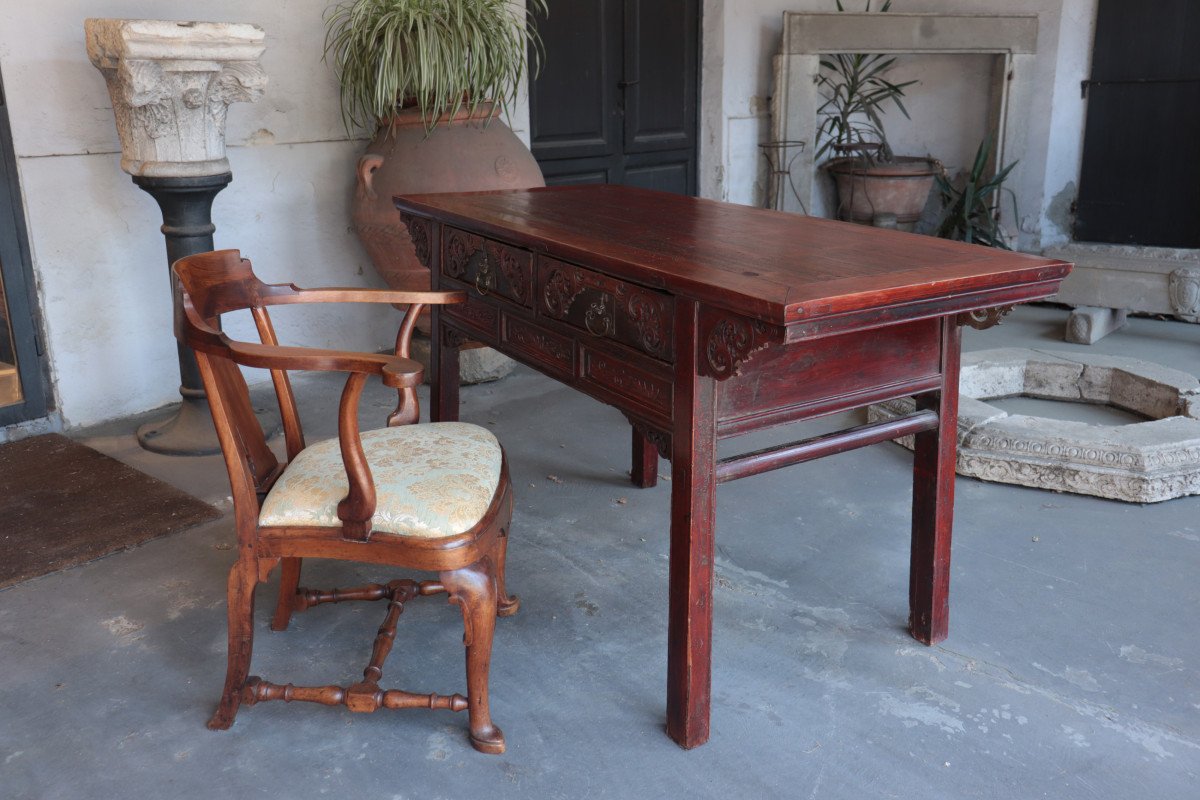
(702, 320)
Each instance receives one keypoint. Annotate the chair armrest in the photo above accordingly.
(395, 371)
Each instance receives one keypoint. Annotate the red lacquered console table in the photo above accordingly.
(702, 320)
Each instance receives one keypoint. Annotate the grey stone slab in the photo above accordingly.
(909, 33)
(475, 364)
(1089, 324)
(992, 373)
(1109, 277)
(1182, 381)
(1051, 378)
(972, 413)
(1150, 389)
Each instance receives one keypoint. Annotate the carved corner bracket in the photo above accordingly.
(983, 318)
(419, 232)
(729, 341)
(659, 438)
(452, 337)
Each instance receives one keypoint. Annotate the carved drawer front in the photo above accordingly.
(492, 267)
(475, 315)
(551, 351)
(615, 376)
(605, 307)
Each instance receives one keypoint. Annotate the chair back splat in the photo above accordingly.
(432, 497)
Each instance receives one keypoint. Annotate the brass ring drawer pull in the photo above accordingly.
(598, 319)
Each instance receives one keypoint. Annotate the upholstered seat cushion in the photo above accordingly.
(431, 480)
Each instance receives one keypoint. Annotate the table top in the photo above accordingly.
(775, 266)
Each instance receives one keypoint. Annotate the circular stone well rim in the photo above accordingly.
(1141, 462)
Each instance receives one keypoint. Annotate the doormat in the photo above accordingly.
(62, 504)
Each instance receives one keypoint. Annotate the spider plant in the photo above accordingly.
(436, 54)
(854, 90)
(972, 214)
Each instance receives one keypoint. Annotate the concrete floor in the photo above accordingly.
(1070, 671)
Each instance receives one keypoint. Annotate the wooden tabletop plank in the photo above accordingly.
(776, 266)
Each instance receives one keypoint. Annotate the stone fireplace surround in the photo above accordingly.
(1011, 38)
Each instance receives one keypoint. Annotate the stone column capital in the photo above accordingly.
(171, 84)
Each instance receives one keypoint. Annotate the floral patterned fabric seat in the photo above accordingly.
(432, 480)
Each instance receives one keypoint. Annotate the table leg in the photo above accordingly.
(644, 472)
(693, 507)
(933, 501)
(443, 363)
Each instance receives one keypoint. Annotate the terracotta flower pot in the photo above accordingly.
(867, 192)
(466, 153)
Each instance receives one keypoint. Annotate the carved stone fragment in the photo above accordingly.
(171, 84)
(1088, 324)
(1183, 289)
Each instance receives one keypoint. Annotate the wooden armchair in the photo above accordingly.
(429, 497)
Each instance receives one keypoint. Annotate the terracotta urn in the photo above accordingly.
(896, 190)
(465, 153)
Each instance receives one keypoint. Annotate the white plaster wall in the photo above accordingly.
(948, 108)
(1067, 118)
(98, 256)
(101, 267)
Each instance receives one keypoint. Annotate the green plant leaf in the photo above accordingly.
(854, 91)
(971, 214)
(982, 153)
(440, 53)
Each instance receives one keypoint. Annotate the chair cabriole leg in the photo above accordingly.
(474, 590)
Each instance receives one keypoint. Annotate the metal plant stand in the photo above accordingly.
(780, 156)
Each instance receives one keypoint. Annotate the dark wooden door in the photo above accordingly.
(22, 374)
(1140, 180)
(616, 98)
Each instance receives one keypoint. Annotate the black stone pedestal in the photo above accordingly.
(186, 205)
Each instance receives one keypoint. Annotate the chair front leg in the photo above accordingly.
(240, 600)
(474, 590)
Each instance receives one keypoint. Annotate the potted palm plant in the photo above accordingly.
(971, 213)
(874, 186)
(431, 78)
